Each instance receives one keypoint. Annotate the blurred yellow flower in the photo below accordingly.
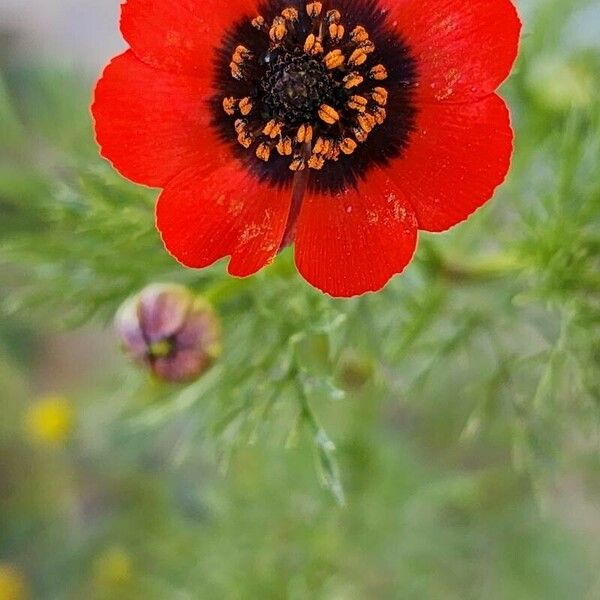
(113, 568)
(49, 420)
(12, 583)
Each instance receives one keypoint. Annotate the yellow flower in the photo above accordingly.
(113, 569)
(12, 584)
(50, 420)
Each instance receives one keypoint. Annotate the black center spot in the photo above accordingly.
(295, 85)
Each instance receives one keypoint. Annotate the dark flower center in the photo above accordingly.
(315, 89)
(294, 87)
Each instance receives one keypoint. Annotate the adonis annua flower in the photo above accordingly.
(342, 126)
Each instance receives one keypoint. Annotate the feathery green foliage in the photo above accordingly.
(486, 352)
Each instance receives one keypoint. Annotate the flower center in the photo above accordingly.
(316, 93)
(161, 349)
(294, 86)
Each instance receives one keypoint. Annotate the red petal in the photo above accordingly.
(464, 48)
(355, 241)
(180, 35)
(455, 159)
(151, 124)
(204, 215)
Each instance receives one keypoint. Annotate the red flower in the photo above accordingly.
(343, 126)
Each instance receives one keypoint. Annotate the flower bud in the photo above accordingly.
(169, 331)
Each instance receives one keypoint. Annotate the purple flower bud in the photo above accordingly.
(168, 330)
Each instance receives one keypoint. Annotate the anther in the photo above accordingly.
(284, 146)
(378, 72)
(298, 164)
(359, 34)
(333, 16)
(263, 151)
(313, 45)
(229, 105)
(322, 146)
(348, 145)
(334, 152)
(272, 129)
(336, 32)
(314, 9)
(360, 134)
(380, 115)
(328, 114)
(380, 95)
(245, 106)
(358, 103)
(357, 58)
(367, 122)
(290, 14)
(304, 134)
(278, 29)
(316, 161)
(241, 54)
(240, 125)
(245, 139)
(353, 80)
(367, 46)
(236, 71)
(258, 22)
(334, 59)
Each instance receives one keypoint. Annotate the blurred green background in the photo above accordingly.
(463, 401)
